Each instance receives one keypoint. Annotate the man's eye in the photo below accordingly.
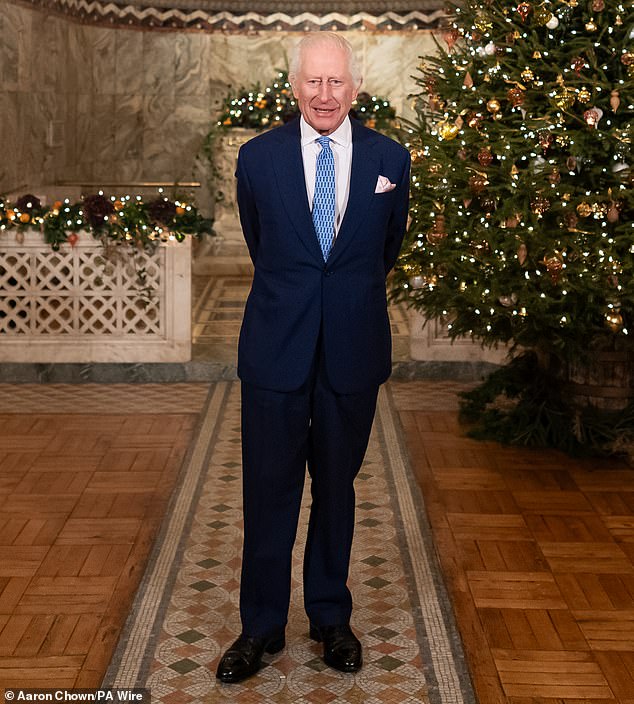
(336, 83)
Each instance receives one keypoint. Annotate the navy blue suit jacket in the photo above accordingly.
(295, 295)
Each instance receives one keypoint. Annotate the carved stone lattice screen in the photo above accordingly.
(75, 305)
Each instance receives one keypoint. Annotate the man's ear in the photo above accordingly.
(293, 80)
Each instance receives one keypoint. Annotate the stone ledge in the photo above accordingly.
(204, 371)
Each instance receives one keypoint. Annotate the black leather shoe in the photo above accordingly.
(244, 657)
(342, 649)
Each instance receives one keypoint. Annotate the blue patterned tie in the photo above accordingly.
(324, 199)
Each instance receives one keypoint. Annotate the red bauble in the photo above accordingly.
(484, 156)
(524, 10)
(515, 96)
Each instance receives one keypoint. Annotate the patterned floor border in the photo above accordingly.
(444, 669)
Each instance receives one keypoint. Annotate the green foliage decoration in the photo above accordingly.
(264, 107)
(127, 220)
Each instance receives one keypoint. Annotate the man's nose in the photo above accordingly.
(325, 91)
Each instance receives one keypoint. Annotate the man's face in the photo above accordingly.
(324, 87)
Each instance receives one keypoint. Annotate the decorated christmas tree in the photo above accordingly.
(522, 183)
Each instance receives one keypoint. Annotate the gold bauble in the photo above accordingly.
(563, 140)
(527, 75)
(537, 54)
(25, 217)
(542, 15)
(591, 26)
(474, 119)
(584, 209)
(417, 155)
(554, 264)
(483, 23)
(583, 96)
(448, 131)
(540, 204)
(493, 106)
(564, 98)
(614, 320)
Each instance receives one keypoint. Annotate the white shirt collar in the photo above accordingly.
(342, 135)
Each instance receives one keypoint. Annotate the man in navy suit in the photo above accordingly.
(323, 220)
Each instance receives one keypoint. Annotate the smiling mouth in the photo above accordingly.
(323, 111)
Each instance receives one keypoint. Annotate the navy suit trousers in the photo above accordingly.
(283, 433)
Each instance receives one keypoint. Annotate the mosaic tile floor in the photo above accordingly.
(186, 612)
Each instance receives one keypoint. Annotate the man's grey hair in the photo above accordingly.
(331, 39)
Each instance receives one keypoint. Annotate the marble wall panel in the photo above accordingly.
(9, 55)
(83, 126)
(190, 124)
(15, 46)
(138, 104)
(101, 135)
(389, 64)
(79, 60)
(128, 61)
(158, 157)
(128, 127)
(241, 60)
(34, 114)
(47, 61)
(159, 63)
(101, 47)
(191, 70)
(69, 157)
(9, 165)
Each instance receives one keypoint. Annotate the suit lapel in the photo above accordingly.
(364, 171)
(289, 170)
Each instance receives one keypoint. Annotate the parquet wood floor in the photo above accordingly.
(81, 498)
(538, 553)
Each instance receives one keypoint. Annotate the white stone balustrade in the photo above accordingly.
(430, 342)
(75, 305)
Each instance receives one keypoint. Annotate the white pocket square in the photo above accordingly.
(383, 185)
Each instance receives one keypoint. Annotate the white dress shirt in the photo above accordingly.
(341, 146)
